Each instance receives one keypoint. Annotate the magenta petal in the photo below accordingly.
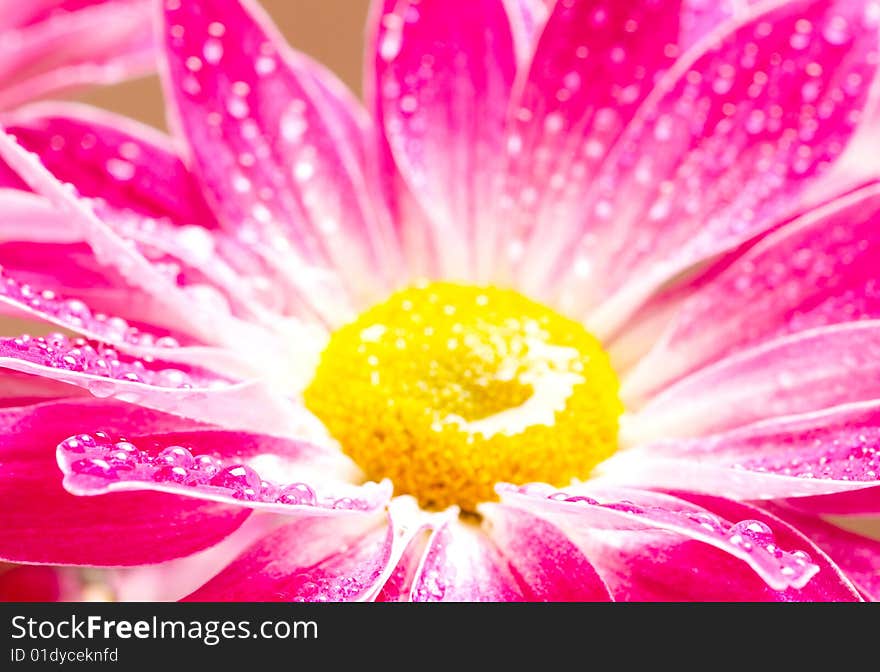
(113, 250)
(441, 82)
(591, 514)
(805, 372)
(43, 523)
(549, 566)
(818, 270)
(594, 63)
(48, 49)
(269, 138)
(832, 451)
(31, 583)
(462, 564)
(256, 471)
(721, 151)
(858, 556)
(342, 559)
(113, 158)
(647, 565)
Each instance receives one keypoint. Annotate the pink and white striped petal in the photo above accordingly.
(550, 568)
(594, 63)
(461, 564)
(270, 146)
(260, 472)
(807, 371)
(49, 48)
(343, 559)
(721, 150)
(646, 566)
(113, 158)
(816, 271)
(826, 452)
(591, 514)
(176, 388)
(43, 523)
(440, 82)
(857, 555)
(205, 319)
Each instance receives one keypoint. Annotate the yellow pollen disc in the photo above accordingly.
(448, 389)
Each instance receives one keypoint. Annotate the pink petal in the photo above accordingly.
(849, 503)
(700, 17)
(398, 587)
(343, 559)
(549, 566)
(43, 523)
(170, 581)
(176, 388)
(527, 20)
(441, 83)
(826, 452)
(594, 63)
(462, 564)
(807, 371)
(142, 188)
(815, 271)
(53, 51)
(31, 583)
(269, 144)
(204, 318)
(857, 555)
(113, 158)
(256, 471)
(591, 514)
(721, 151)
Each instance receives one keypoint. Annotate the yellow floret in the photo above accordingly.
(448, 389)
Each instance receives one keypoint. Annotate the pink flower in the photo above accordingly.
(681, 183)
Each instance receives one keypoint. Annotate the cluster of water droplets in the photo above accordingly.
(751, 538)
(76, 315)
(113, 458)
(854, 456)
(81, 356)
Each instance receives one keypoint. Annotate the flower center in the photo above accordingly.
(448, 389)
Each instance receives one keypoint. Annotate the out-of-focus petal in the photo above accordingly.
(52, 47)
(441, 85)
(720, 151)
(826, 452)
(549, 566)
(208, 319)
(107, 156)
(31, 583)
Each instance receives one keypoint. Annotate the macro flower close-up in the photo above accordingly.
(579, 302)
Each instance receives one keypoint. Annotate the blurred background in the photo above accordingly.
(331, 31)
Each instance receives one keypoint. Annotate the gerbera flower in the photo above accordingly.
(582, 307)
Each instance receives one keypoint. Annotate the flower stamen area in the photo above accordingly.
(448, 389)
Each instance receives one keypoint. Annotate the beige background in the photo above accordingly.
(332, 31)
